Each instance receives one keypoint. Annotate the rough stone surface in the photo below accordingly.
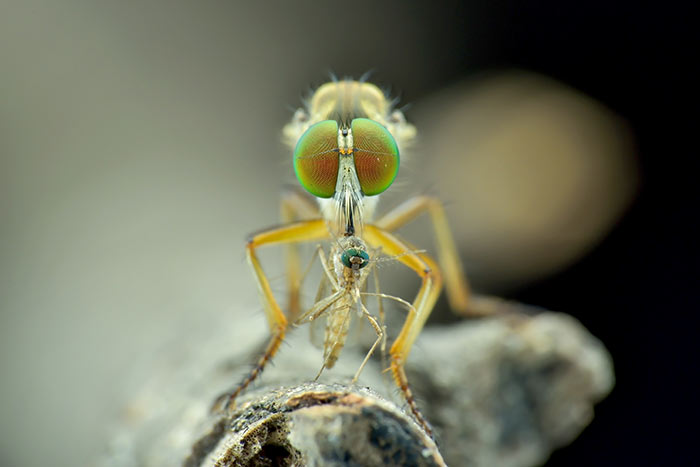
(509, 391)
(503, 390)
(315, 424)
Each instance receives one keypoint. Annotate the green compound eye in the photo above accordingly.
(354, 259)
(316, 159)
(376, 155)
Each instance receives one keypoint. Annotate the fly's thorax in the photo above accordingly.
(345, 100)
(349, 98)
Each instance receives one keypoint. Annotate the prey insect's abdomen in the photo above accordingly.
(337, 326)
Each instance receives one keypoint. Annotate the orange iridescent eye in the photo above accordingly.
(376, 155)
(316, 159)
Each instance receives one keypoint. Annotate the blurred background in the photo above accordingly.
(140, 144)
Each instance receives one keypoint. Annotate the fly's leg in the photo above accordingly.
(227, 400)
(277, 321)
(459, 295)
(431, 284)
(295, 206)
(458, 292)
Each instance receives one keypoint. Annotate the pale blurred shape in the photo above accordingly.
(534, 173)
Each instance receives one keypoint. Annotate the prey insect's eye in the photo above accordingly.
(376, 155)
(316, 159)
(354, 259)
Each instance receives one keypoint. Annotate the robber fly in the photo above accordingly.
(346, 145)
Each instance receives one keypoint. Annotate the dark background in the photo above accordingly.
(636, 59)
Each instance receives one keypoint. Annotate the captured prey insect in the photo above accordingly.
(346, 144)
(346, 269)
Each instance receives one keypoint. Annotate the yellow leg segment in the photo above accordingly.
(295, 206)
(456, 283)
(277, 321)
(429, 290)
(303, 231)
(423, 304)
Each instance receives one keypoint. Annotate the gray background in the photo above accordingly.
(140, 143)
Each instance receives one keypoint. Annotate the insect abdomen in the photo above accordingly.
(336, 332)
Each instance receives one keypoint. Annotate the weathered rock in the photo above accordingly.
(507, 392)
(317, 425)
(504, 391)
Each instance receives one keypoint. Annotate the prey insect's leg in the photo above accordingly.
(358, 324)
(328, 276)
(423, 304)
(322, 305)
(295, 206)
(326, 281)
(315, 311)
(380, 307)
(382, 323)
(381, 336)
(297, 232)
(314, 335)
(456, 283)
(403, 302)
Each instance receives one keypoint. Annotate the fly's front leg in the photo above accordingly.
(458, 292)
(459, 295)
(431, 284)
(295, 206)
(277, 321)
